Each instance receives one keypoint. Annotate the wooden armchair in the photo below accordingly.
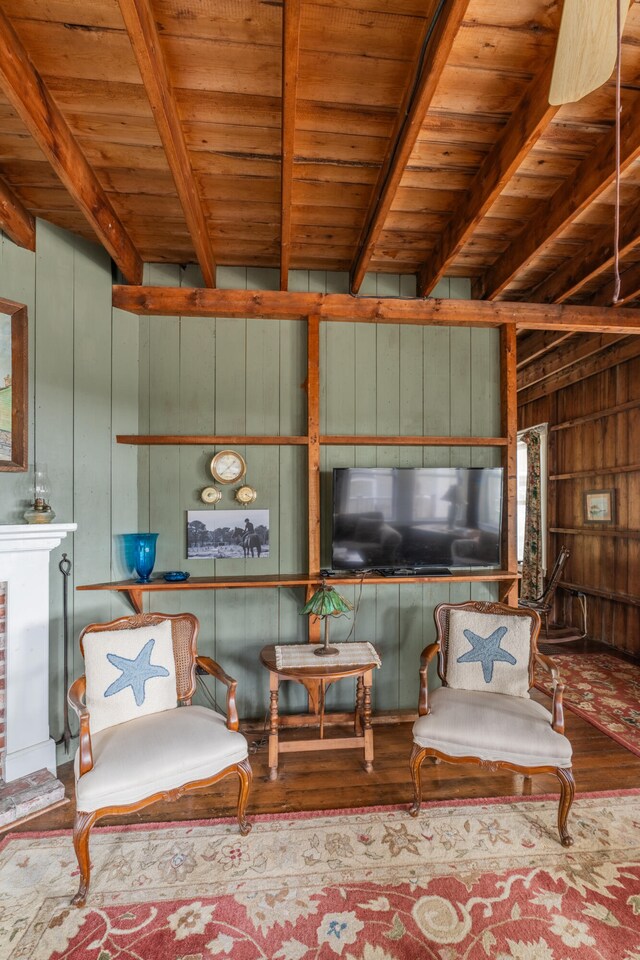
(158, 756)
(491, 729)
(544, 603)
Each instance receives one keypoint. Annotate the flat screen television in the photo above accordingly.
(416, 518)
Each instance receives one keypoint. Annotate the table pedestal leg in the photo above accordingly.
(273, 726)
(366, 722)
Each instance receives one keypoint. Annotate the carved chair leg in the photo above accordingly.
(81, 829)
(245, 774)
(567, 791)
(417, 756)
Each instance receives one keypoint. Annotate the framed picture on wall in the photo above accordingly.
(228, 534)
(13, 386)
(599, 506)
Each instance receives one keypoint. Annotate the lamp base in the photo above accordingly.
(325, 651)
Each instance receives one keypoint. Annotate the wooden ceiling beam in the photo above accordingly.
(528, 121)
(538, 343)
(290, 55)
(408, 125)
(591, 178)
(146, 44)
(28, 93)
(594, 258)
(289, 305)
(627, 349)
(15, 219)
(566, 355)
(629, 289)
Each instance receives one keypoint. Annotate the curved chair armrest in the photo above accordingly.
(76, 700)
(215, 670)
(558, 690)
(426, 657)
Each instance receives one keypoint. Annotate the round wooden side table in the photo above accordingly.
(317, 676)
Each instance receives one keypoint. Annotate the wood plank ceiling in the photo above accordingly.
(408, 136)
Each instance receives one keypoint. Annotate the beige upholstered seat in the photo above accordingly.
(492, 727)
(129, 764)
(486, 727)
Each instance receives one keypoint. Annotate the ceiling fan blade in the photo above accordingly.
(587, 48)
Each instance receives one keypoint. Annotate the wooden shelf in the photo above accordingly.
(159, 439)
(313, 440)
(602, 594)
(169, 439)
(135, 590)
(616, 532)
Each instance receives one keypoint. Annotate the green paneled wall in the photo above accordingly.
(247, 377)
(95, 372)
(83, 388)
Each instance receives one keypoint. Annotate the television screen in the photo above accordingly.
(416, 517)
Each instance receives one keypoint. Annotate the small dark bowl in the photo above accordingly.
(176, 576)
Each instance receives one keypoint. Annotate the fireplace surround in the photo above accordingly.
(27, 752)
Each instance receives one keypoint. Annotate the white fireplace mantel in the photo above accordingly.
(24, 567)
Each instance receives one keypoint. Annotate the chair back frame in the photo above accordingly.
(441, 616)
(545, 599)
(184, 635)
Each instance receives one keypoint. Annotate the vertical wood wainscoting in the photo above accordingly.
(593, 430)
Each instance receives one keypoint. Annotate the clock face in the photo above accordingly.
(227, 466)
(246, 494)
(210, 495)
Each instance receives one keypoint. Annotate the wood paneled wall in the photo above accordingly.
(593, 454)
(83, 389)
(247, 377)
(95, 372)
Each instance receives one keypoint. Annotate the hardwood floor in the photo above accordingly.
(326, 780)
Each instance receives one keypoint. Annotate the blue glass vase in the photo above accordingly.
(144, 555)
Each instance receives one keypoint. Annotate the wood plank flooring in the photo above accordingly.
(326, 780)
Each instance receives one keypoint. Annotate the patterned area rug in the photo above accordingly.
(603, 690)
(465, 880)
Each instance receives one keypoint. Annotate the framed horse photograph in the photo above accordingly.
(227, 534)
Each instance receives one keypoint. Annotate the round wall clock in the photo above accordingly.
(246, 494)
(210, 495)
(227, 466)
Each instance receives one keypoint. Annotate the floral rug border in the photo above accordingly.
(317, 814)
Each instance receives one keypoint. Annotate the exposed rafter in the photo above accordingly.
(290, 54)
(629, 289)
(627, 349)
(537, 344)
(191, 302)
(596, 257)
(527, 122)
(15, 219)
(574, 351)
(590, 179)
(29, 95)
(408, 126)
(143, 33)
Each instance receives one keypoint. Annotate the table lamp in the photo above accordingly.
(326, 602)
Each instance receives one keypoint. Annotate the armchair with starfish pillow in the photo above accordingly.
(141, 739)
(483, 713)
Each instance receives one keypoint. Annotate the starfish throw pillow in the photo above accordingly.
(130, 673)
(489, 652)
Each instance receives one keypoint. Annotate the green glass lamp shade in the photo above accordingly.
(326, 602)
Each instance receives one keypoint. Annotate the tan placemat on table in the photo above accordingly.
(302, 655)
